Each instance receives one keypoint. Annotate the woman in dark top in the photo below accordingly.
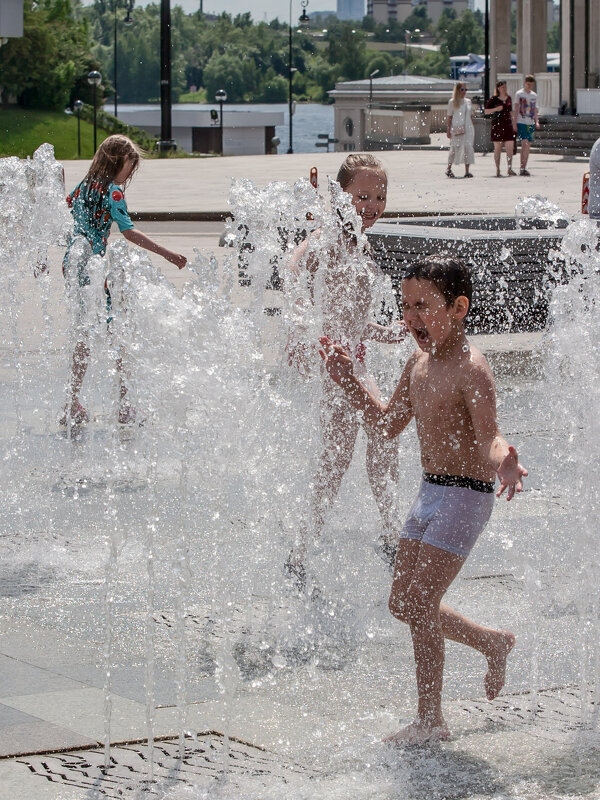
(499, 108)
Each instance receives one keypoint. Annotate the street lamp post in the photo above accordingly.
(127, 21)
(371, 76)
(302, 20)
(221, 97)
(78, 105)
(166, 143)
(94, 79)
(486, 73)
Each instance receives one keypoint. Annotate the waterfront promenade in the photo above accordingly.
(417, 183)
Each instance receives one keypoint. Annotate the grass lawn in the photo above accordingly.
(23, 130)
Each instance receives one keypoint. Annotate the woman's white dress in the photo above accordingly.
(461, 145)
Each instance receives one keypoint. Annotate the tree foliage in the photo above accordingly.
(40, 68)
(64, 39)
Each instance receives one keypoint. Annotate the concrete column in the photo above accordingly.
(499, 39)
(573, 50)
(532, 18)
(594, 33)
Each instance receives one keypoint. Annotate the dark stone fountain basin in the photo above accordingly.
(514, 262)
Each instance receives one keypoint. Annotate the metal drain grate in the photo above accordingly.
(204, 762)
(554, 714)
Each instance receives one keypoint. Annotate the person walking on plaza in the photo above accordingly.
(525, 119)
(499, 108)
(460, 130)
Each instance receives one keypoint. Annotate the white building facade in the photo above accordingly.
(197, 130)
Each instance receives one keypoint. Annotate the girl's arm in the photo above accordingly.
(390, 419)
(140, 239)
(449, 127)
(385, 334)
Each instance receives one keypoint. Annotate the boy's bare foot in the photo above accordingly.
(496, 674)
(419, 733)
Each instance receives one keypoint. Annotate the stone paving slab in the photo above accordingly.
(498, 745)
(417, 183)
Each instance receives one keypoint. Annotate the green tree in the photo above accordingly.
(554, 38)
(434, 64)
(346, 48)
(381, 61)
(41, 67)
(418, 20)
(225, 71)
(462, 36)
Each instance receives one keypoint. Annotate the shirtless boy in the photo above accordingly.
(448, 387)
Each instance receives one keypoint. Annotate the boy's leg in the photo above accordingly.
(423, 575)
(525, 145)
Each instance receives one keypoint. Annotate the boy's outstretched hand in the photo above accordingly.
(511, 473)
(337, 361)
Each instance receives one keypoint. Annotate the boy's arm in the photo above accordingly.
(141, 240)
(480, 397)
(390, 419)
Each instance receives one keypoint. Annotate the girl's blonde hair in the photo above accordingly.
(110, 159)
(354, 163)
(456, 98)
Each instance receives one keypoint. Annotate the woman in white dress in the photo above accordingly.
(460, 130)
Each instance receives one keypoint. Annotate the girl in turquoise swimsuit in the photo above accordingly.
(95, 204)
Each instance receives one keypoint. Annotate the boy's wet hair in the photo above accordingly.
(449, 274)
(110, 158)
(354, 163)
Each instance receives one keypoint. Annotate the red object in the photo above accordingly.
(585, 193)
(117, 195)
(314, 179)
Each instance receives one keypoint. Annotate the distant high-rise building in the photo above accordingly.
(350, 9)
(398, 10)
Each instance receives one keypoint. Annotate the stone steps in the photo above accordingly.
(565, 135)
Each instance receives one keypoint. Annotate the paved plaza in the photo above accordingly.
(417, 183)
(304, 693)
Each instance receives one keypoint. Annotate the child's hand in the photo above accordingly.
(337, 361)
(179, 260)
(399, 331)
(39, 269)
(510, 473)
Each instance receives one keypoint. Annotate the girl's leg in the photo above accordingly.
(423, 575)
(510, 146)
(497, 152)
(339, 428)
(382, 471)
(81, 355)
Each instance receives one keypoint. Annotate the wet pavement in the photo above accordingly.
(306, 691)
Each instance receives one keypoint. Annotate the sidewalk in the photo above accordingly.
(198, 188)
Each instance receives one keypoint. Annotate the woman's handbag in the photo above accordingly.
(458, 131)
